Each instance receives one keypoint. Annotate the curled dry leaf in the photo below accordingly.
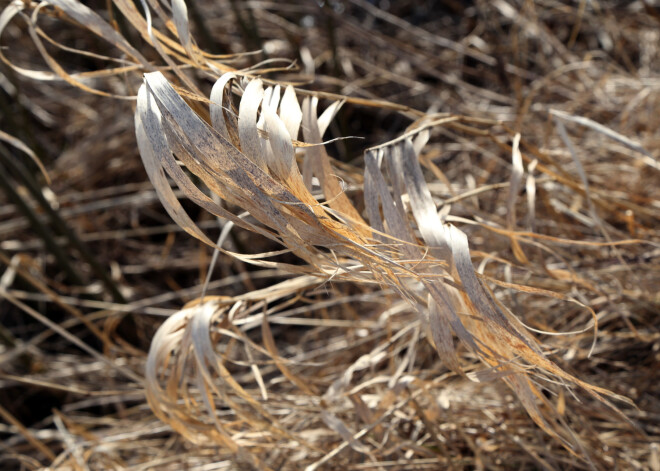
(250, 162)
(362, 390)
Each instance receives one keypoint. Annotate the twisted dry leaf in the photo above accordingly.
(250, 162)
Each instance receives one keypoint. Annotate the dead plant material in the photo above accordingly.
(472, 286)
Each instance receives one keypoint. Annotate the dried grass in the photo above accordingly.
(326, 338)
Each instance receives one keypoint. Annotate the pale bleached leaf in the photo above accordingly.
(371, 194)
(266, 153)
(229, 172)
(477, 294)
(450, 312)
(514, 189)
(530, 190)
(406, 164)
(218, 108)
(327, 116)
(317, 163)
(420, 140)
(265, 103)
(290, 112)
(152, 144)
(247, 120)
(151, 114)
(441, 334)
(311, 135)
(283, 159)
(396, 225)
(516, 180)
(180, 17)
(274, 101)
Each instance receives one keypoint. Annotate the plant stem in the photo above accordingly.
(73, 241)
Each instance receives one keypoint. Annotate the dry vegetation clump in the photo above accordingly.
(424, 235)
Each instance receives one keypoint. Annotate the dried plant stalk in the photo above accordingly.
(410, 248)
(343, 388)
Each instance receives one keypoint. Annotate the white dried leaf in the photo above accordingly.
(180, 17)
(290, 112)
(217, 107)
(152, 144)
(247, 123)
(283, 162)
(327, 116)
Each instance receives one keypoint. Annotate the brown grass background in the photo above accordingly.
(92, 260)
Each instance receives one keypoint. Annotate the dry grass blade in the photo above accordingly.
(25, 149)
(468, 287)
(464, 306)
(589, 123)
